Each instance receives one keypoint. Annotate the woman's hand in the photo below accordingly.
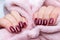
(49, 26)
(46, 16)
(13, 22)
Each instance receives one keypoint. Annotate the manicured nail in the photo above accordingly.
(36, 21)
(18, 29)
(24, 25)
(39, 21)
(51, 21)
(21, 24)
(12, 29)
(45, 22)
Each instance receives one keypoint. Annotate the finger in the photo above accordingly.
(24, 22)
(18, 29)
(35, 17)
(4, 22)
(20, 11)
(53, 16)
(46, 14)
(19, 19)
(12, 20)
(16, 16)
(14, 23)
(41, 13)
(24, 14)
(38, 16)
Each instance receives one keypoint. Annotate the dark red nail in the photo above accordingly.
(39, 21)
(24, 25)
(45, 22)
(18, 29)
(51, 21)
(21, 24)
(12, 29)
(36, 21)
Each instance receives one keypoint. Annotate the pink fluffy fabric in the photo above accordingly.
(53, 3)
(36, 33)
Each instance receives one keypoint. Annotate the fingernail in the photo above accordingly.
(44, 22)
(39, 21)
(36, 21)
(24, 25)
(21, 24)
(12, 29)
(51, 21)
(18, 29)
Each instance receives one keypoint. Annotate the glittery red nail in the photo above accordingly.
(18, 29)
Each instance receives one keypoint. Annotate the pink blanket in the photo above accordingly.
(36, 33)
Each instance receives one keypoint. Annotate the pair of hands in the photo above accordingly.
(37, 29)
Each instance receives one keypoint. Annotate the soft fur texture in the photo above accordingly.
(36, 33)
(53, 2)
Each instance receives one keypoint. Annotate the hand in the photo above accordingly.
(13, 22)
(47, 16)
(47, 31)
(25, 6)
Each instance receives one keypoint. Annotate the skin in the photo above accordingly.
(14, 22)
(42, 32)
(39, 32)
(42, 15)
(47, 32)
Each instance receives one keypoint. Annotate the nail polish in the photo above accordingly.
(12, 29)
(39, 21)
(18, 29)
(24, 25)
(21, 24)
(45, 22)
(36, 21)
(51, 21)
